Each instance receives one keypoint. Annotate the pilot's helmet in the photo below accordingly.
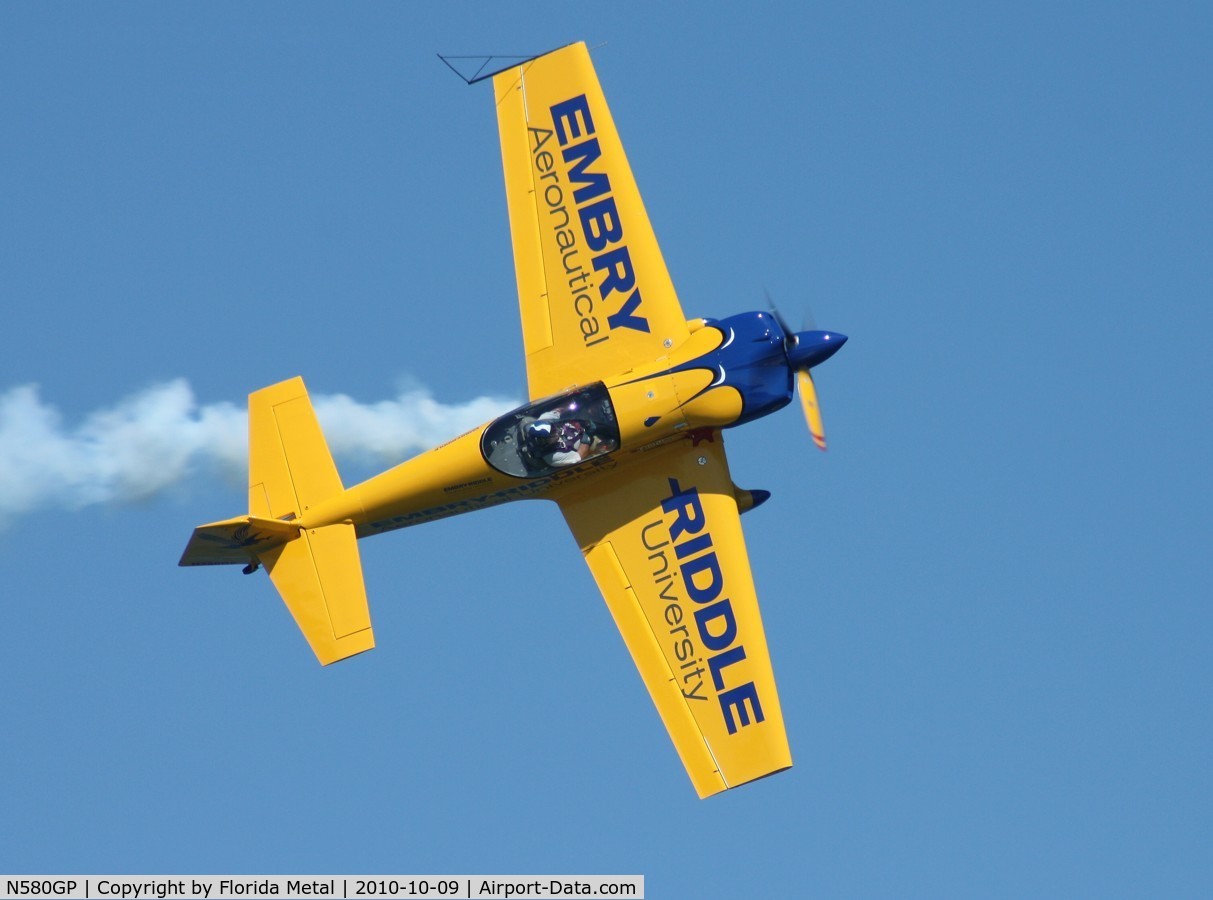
(541, 432)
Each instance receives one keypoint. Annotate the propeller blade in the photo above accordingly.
(788, 334)
(808, 320)
(812, 412)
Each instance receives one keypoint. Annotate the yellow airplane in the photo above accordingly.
(623, 432)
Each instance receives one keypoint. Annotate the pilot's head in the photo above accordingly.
(541, 433)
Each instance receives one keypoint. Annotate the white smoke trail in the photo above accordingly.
(159, 436)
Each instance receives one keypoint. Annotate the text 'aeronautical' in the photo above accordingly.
(610, 260)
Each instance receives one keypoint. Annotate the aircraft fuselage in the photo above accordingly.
(726, 373)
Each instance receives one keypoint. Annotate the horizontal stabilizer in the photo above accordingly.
(237, 541)
(320, 579)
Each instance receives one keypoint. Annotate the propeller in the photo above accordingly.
(812, 411)
(804, 350)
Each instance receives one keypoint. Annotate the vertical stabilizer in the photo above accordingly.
(290, 467)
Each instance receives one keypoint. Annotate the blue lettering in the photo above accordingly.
(699, 565)
(735, 700)
(625, 319)
(686, 505)
(694, 545)
(720, 610)
(600, 222)
(618, 265)
(715, 621)
(596, 183)
(721, 661)
(566, 112)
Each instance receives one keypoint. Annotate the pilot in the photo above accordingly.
(560, 443)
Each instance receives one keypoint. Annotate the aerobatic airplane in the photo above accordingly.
(623, 432)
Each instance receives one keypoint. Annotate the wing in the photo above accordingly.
(666, 548)
(594, 292)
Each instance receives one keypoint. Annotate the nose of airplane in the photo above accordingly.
(814, 347)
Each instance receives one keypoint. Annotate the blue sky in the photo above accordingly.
(988, 604)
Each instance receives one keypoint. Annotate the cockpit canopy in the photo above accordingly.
(550, 434)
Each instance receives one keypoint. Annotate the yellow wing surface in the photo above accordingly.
(666, 549)
(593, 289)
